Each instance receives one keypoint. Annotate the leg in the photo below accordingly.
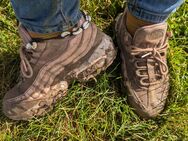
(60, 44)
(143, 40)
(47, 16)
(146, 12)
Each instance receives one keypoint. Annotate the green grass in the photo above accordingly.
(99, 111)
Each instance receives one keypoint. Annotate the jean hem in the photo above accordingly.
(147, 15)
(58, 28)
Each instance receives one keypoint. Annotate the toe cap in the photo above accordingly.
(148, 103)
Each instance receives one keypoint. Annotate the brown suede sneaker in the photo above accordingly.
(49, 66)
(144, 66)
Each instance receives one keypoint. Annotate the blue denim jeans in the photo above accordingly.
(46, 16)
(155, 11)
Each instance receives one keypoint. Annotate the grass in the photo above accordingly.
(99, 111)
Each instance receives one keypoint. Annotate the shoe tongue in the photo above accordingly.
(153, 34)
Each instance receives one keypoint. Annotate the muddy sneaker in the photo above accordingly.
(49, 66)
(144, 66)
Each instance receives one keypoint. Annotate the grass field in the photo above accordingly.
(99, 111)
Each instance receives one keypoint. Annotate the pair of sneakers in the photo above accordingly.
(49, 66)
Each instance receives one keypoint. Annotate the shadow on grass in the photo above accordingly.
(9, 71)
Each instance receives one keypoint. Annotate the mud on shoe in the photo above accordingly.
(49, 66)
(144, 66)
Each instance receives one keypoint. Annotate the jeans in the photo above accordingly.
(47, 16)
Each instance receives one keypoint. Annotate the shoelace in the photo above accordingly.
(26, 68)
(153, 53)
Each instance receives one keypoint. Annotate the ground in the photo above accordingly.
(99, 110)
